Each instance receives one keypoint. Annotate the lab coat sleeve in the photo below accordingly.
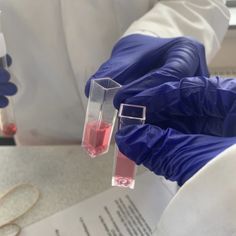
(205, 20)
(205, 205)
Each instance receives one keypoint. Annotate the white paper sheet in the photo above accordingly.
(115, 212)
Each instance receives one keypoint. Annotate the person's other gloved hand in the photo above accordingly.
(7, 88)
(170, 153)
(192, 105)
(137, 57)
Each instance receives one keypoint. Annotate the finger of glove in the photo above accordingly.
(108, 69)
(202, 69)
(132, 57)
(186, 58)
(4, 76)
(7, 89)
(149, 81)
(136, 55)
(189, 124)
(169, 153)
(3, 101)
(9, 60)
(229, 127)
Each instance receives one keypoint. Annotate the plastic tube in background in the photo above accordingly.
(8, 126)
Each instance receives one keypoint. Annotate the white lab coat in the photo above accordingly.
(56, 45)
(205, 205)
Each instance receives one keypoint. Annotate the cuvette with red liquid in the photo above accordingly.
(125, 169)
(100, 116)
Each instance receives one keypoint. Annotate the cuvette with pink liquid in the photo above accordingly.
(100, 116)
(7, 117)
(125, 169)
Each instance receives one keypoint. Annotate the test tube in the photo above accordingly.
(100, 116)
(8, 126)
(125, 169)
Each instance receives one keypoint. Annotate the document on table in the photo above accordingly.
(115, 212)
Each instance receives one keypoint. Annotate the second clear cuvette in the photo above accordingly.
(124, 170)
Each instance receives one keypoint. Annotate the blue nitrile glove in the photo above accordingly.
(191, 105)
(137, 56)
(6, 88)
(169, 153)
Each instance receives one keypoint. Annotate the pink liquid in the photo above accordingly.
(124, 172)
(9, 129)
(97, 137)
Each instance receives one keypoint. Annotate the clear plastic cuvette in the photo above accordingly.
(8, 126)
(124, 170)
(100, 116)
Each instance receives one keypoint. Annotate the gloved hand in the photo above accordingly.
(6, 88)
(191, 105)
(199, 105)
(145, 60)
(170, 153)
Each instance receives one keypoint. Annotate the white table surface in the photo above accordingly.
(65, 176)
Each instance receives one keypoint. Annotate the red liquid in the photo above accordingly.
(124, 172)
(97, 137)
(9, 129)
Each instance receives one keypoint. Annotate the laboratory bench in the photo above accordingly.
(65, 175)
